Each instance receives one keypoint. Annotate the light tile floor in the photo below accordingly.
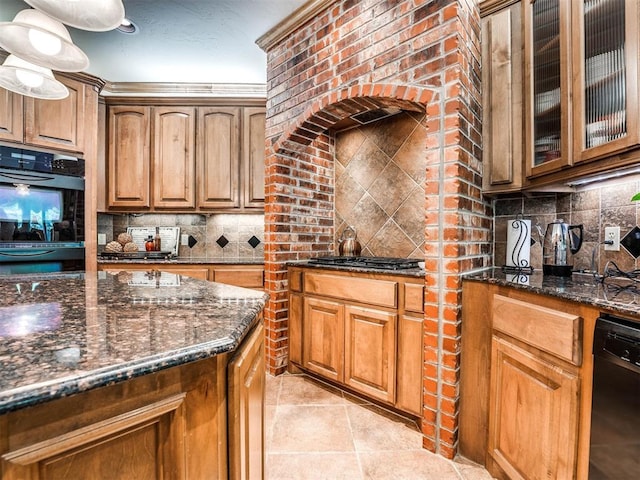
(317, 432)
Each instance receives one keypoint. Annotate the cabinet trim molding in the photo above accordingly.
(92, 433)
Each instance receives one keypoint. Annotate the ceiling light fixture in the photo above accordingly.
(32, 80)
(128, 27)
(37, 38)
(92, 15)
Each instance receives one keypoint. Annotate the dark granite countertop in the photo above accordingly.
(614, 294)
(186, 260)
(407, 272)
(62, 334)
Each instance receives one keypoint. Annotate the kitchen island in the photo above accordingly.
(130, 375)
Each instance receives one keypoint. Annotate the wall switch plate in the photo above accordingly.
(184, 239)
(612, 234)
(102, 239)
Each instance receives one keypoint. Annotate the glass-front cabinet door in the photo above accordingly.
(606, 74)
(581, 81)
(547, 80)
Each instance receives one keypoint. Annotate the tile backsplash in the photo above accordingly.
(219, 236)
(595, 207)
(380, 175)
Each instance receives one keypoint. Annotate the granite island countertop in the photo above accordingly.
(616, 295)
(62, 334)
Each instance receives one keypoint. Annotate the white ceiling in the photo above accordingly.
(199, 41)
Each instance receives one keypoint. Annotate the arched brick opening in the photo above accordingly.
(357, 56)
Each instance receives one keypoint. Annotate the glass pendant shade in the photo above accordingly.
(92, 15)
(42, 40)
(32, 80)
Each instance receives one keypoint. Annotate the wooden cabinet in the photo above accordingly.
(246, 374)
(533, 418)
(581, 83)
(247, 276)
(502, 117)
(370, 352)
(11, 116)
(52, 124)
(129, 157)
(190, 158)
(525, 386)
(323, 338)
(170, 424)
(363, 331)
(218, 157)
(253, 147)
(173, 157)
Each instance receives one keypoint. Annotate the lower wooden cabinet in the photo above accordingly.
(247, 276)
(533, 417)
(525, 386)
(361, 330)
(323, 338)
(246, 373)
(370, 352)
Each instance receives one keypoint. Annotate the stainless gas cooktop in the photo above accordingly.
(383, 263)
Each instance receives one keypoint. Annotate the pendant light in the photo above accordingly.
(92, 15)
(32, 80)
(38, 38)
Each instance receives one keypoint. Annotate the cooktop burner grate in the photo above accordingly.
(384, 263)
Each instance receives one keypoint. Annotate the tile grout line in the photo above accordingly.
(355, 447)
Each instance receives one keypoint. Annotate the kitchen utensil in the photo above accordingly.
(561, 243)
(349, 245)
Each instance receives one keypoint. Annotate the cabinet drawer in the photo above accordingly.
(245, 277)
(414, 297)
(365, 290)
(552, 331)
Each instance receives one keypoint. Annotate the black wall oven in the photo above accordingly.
(41, 212)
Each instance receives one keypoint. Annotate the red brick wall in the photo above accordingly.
(360, 55)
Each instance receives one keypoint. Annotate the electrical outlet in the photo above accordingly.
(184, 239)
(612, 234)
(102, 239)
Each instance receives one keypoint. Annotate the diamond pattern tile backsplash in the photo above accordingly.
(221, 236)
(380, 175)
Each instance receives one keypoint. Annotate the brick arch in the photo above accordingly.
(337, 105)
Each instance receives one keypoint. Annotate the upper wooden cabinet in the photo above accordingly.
(173, 157)
(11, 116)
(218, 157)
(52, 124)
(581, 82)
(253, 135)
(199, 158)
(502, 77)
(129, 157)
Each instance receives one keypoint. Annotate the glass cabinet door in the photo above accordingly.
(605, 105)
(547, 85)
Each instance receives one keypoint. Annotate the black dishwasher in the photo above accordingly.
(615, 415)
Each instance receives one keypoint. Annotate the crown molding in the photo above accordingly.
(169, 89)
(299, 17)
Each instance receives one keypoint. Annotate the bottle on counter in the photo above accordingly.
(149, 244)
(157, 242)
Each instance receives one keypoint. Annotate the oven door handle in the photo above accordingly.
(22, 177)
(37, 253)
